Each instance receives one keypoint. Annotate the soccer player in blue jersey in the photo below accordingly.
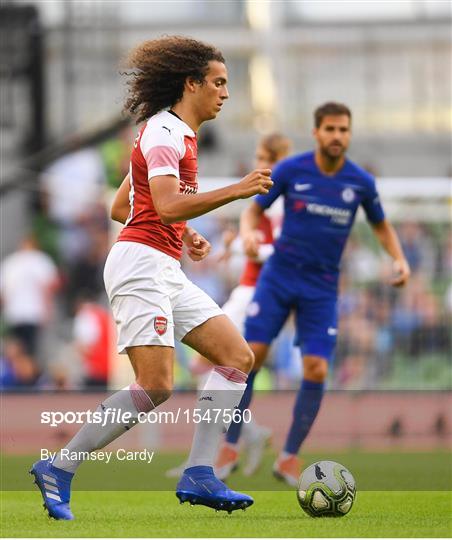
(322, 192)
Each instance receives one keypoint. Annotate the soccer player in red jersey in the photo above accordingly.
(175, 85)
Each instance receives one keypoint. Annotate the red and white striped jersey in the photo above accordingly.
(164, 146)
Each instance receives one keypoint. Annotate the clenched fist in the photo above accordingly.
(257, 182)
(402, 272)
(198, 246)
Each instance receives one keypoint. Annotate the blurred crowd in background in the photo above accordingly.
(56, 324)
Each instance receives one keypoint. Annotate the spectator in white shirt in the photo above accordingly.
(28, 282)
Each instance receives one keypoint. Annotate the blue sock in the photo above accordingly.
(235, 428)
(305, 411)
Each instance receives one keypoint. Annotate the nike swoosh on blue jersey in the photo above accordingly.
(302, 187)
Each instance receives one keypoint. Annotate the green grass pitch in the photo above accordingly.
(274, 514)
(150, 509)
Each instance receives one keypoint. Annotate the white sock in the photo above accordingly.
(223, 390)
(93, 436)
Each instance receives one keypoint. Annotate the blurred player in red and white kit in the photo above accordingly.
(175, 85)
(270, 149)
(92, 333)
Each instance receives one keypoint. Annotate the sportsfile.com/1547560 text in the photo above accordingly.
(118, 416)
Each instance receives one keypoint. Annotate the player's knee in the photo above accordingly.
(315, 368)
(243, 359)
(158, 391)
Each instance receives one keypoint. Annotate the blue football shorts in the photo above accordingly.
(310, 293)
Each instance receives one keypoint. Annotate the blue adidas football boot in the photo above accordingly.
(55, 486)
(199, 485)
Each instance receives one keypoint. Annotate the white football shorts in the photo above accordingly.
(236, 306)
(152, 300)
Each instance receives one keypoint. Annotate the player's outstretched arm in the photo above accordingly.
(120, 208)
(249, 222)
(389, 240)
(173, 206)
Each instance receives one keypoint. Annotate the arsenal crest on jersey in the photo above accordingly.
(160, 325)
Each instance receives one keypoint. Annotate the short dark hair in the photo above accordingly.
(159, 69)
(330, 109)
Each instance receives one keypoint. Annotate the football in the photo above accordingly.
(326, 488)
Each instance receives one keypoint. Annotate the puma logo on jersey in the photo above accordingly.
(192, 152)
(137, 140)
(167, 129)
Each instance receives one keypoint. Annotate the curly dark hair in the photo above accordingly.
(159, 69)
